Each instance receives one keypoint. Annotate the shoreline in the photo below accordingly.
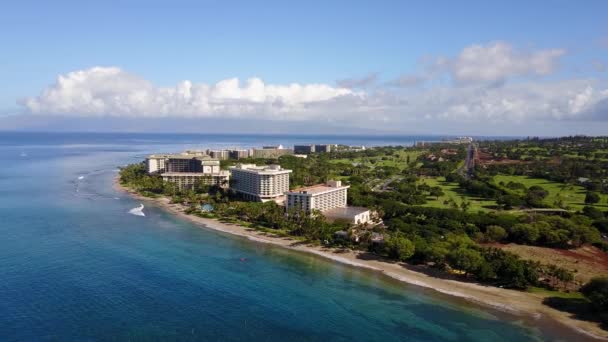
(505, 300)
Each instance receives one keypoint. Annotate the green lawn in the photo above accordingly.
(573, 196)
(452, 190)
(398, 159)
(558, 294)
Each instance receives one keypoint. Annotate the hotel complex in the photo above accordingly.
(257, 183)
(187, 169)
(260, 183)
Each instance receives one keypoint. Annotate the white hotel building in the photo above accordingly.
(320, 197)
(329, 199)
(260, 183)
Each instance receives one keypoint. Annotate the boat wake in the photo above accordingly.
(138, 211)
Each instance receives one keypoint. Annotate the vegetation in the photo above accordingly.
(533, 192)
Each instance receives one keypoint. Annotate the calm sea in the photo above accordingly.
(74, 265)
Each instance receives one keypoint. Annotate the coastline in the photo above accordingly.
(506, 300)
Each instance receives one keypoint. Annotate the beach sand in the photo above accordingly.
(511, 301)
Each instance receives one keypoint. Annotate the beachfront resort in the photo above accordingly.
(259, 183)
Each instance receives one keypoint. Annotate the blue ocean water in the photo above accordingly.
(74, 265)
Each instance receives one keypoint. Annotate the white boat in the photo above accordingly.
(139, 211)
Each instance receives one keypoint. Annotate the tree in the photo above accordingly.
(465, 259)
(592, 198)
(400, 248)
(593, 212)
(495, 233)
(525, 233)
(597, 292)
(436, 192)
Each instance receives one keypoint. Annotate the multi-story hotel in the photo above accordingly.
(303, 149)
(271, 152)
(189, 180)
(323, 148)
(187, 169)
(320, 197)
(156, 163)
(329, 199)
(260, 183)
(239, 154)
(219, 154)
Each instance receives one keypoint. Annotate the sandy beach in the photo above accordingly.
(512, 301)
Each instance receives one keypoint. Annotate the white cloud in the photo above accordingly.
(112, 91)
(498, 61)
(473, 97)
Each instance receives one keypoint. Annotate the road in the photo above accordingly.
(469, 163)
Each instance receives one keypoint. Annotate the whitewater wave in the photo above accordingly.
(138, 211)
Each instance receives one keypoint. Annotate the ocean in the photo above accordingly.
(75, 265)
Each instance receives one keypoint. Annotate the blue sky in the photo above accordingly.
(367, 43)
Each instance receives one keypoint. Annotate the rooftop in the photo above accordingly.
(260, 168)
(320, 188)
(196, 174)
(184, 155)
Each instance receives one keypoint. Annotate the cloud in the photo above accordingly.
(405, 81)
(112, 91)
(362, 82)
(446, 93)
(498, 61)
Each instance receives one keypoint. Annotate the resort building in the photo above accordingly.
(303, 149)
(354, 215)
(320, 197)
(260, 183)
(239, 154)
(323, 148)
(156, 163)
(329, 199)
(189, 180)
(188, 169)
(219, 154)
(271, 152)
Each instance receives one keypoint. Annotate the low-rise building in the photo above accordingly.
(354, 215)
(260, 183)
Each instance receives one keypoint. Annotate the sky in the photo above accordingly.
(377, 67)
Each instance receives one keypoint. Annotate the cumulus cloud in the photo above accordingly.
(453, 90)
(112, 91)
(498, 61)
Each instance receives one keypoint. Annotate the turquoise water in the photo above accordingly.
(74, 265)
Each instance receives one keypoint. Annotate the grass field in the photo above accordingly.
(398, 160)
(585, 262)
(452, 190)
(572, 196)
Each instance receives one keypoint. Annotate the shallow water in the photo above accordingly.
(75, 265)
